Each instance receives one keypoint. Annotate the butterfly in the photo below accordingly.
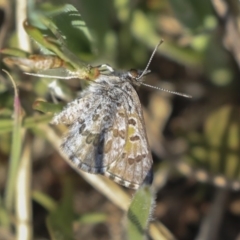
(107, 133)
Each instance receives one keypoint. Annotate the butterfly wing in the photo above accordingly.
(133, 166)
(89, 142)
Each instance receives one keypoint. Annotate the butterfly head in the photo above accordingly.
(137, 74)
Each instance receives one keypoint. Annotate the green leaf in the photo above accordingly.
(14, 52)
(47, 107)
(59, 221)
(139, 213)
(93, 218)
(44, 200)
(69, 23)
(66, 26)
(6, 125)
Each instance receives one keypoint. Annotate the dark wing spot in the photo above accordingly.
(115, 132)
(121, 114)
(108, 146)
(95, 117)
(139, 158)
(122, 134)
(83, 126)
(90, 138)
(122, 182)
(132, 121)
(99, 106)
(87, 105)
(134, 138)
(106, 118)
(132, 185)
(86, 133)
(81, 121)
(119, 104)
(131, 161)
(123, 155)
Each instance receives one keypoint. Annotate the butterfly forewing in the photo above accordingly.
(91, 142)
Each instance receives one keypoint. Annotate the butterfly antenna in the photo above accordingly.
(161, 89)
(168, 91)
(154, 51)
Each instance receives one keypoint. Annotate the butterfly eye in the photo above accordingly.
(133, 73)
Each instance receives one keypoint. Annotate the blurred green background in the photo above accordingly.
(195, 142)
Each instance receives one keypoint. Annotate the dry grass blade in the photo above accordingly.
(23, 195)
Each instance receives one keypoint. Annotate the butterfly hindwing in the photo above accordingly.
(134, 163)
